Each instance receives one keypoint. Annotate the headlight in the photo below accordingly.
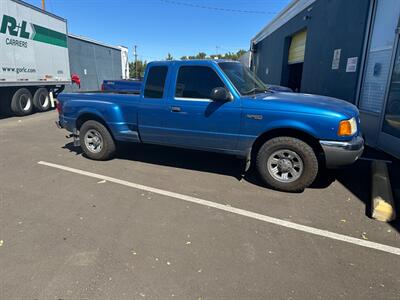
(347, 127)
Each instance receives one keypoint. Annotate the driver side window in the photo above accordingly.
(196, 82)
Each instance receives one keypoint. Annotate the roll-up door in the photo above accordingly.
(297, 47)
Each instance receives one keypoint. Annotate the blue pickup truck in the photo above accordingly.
(220, 106)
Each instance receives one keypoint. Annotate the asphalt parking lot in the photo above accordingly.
(163, 223)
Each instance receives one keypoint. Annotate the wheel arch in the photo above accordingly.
(89, 116)
(289, 132)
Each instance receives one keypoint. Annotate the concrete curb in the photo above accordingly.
(382, 204)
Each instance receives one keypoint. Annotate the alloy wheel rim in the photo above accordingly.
(93, 141)
(285, 165)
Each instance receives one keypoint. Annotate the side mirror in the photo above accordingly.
(220, 94)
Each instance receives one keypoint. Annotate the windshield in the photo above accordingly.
(245, 81)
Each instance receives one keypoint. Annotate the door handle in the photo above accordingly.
(176, 109)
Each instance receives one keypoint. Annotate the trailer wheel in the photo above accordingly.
(21, 103)
(41, 99)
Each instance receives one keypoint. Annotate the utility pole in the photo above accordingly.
(135, 54)
(43, 5)
(216, 51)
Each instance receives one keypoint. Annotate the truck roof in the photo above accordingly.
(189, 61)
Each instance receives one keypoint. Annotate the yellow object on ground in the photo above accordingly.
(383, 208)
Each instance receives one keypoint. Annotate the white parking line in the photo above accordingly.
(238, 211)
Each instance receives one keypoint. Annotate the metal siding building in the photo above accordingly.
(93, 62)
(343, 49)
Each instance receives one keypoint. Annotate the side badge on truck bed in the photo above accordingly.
(254, 117)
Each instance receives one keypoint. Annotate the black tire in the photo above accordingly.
(295, 148)
(108, 148)
(21, 102)
(41, 100)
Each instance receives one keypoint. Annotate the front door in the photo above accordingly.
(195, 121)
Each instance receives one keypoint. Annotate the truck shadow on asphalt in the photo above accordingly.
(220, 164)
(355, 178)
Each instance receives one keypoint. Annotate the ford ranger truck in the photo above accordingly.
(220, 106)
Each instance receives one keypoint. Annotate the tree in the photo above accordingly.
(228, 55)
(240, 53)
(169, 56)
(201, 55)
(138, 70)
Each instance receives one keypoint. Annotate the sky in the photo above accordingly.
(159, 27)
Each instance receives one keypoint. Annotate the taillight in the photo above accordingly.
(58, 107)
(102, 87)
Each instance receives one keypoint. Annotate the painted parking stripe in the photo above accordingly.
(238, 211)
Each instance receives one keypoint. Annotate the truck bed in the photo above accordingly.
(119, 112)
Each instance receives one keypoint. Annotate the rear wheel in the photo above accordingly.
(96, 141)
(41, 99)
(21, 102)
(287, 164)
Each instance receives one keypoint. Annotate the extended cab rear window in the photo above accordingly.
(196, 82)
(155, 82)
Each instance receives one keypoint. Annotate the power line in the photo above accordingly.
(217, 8)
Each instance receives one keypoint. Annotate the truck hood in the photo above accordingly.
(305, 103)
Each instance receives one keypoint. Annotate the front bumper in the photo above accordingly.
(338, 154)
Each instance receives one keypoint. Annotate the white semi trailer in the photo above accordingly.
(34, 63)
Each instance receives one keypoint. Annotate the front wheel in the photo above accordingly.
(287, 164)
(96, 141)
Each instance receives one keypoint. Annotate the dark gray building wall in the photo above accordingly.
(100, 63)
(330, 24)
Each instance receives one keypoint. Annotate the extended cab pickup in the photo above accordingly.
(220, 106)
